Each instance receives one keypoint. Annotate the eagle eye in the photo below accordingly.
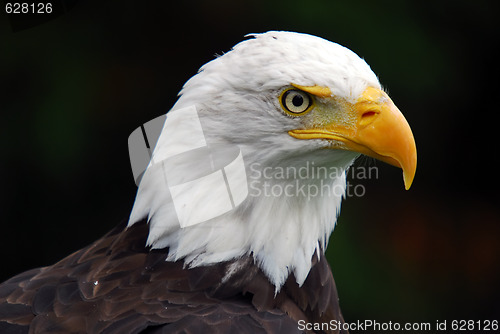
(296, 102)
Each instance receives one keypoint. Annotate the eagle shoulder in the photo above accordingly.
(117, 285)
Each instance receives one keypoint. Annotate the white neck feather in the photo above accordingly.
(288, 215)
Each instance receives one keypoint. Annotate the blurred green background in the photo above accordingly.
(73, 88)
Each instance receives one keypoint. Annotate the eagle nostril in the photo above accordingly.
(369, 114)
(367, 117)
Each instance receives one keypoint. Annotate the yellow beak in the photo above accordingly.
(375, 127)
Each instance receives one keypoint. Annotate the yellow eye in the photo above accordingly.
(296, 102)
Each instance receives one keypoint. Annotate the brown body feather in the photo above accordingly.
(117, 285)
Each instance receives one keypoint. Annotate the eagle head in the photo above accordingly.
(300, 109)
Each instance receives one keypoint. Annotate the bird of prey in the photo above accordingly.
(284, 101)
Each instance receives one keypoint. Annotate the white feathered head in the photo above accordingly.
(288, 102)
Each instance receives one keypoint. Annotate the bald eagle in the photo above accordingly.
(286, 101)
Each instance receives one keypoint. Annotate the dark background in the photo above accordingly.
(74, 87)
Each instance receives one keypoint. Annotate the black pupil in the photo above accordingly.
(298, 100)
